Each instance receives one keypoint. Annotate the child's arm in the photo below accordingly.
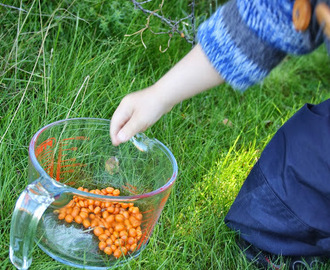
(141, 109)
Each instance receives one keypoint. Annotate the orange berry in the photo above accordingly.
(119, 218)
(103, 237)
(132, 232)
(110, 219)
(84, 215)
(119, 227)
(105, 214)
(98, 231)
(131, 240)
(75, 212)
(84, 210)
(97, 210)
(122, 233)
(116, 192)
(61, 216)
(124, 205)
(102, 245)
(108, 250)
(109, 189)
(125, 214)
(115, 234)
(113, 247)
(119, 242)
(90, 202)
(86, 223)
(111, 209)
(68, 218)
(117, 253)
(123, 250)
(109, 242)
(133, 247)
(78, 219)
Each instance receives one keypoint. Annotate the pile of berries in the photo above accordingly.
(117, 225)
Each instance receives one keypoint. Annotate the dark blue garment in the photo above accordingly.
(283, 206)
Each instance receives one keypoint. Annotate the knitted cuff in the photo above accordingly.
(235, 51)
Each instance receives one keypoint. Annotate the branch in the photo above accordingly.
(173, 24)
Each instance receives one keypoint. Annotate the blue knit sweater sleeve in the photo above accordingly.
(245, 40)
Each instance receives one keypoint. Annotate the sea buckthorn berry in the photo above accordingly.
(102, 245)
(103, 237)
(98, 231)
(125, 214)
(68, 218)
(131, 240)
(61, 216)
(75, 212)
(110, 209)
(116, 192)
(132, 232)
(84, 215)
(124, 205)
(119, 218)
(97, 203)
(139, 216)
(105, 214)
(78, 219)
(109, 189)
(113, 247)
(109, 242)
(133, 247)
(94, 223)
(86, 223)
(90, 202)
(117, 253)
(97, 210)
(122, 233)
(107, 204)
(119, 227)
(113, 238)
(108, 250)
(84, 210)
(123, 250)
(110, 219)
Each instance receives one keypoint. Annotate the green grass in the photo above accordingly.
(70, 59)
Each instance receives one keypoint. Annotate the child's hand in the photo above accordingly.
(136, 112)
(139, 110)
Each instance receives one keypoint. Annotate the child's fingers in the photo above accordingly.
(131, 127)
(120, 117)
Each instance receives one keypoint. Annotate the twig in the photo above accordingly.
(173, 24)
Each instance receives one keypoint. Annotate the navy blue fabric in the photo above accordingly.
(283, 206)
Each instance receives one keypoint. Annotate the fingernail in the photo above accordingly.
(122, 136)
